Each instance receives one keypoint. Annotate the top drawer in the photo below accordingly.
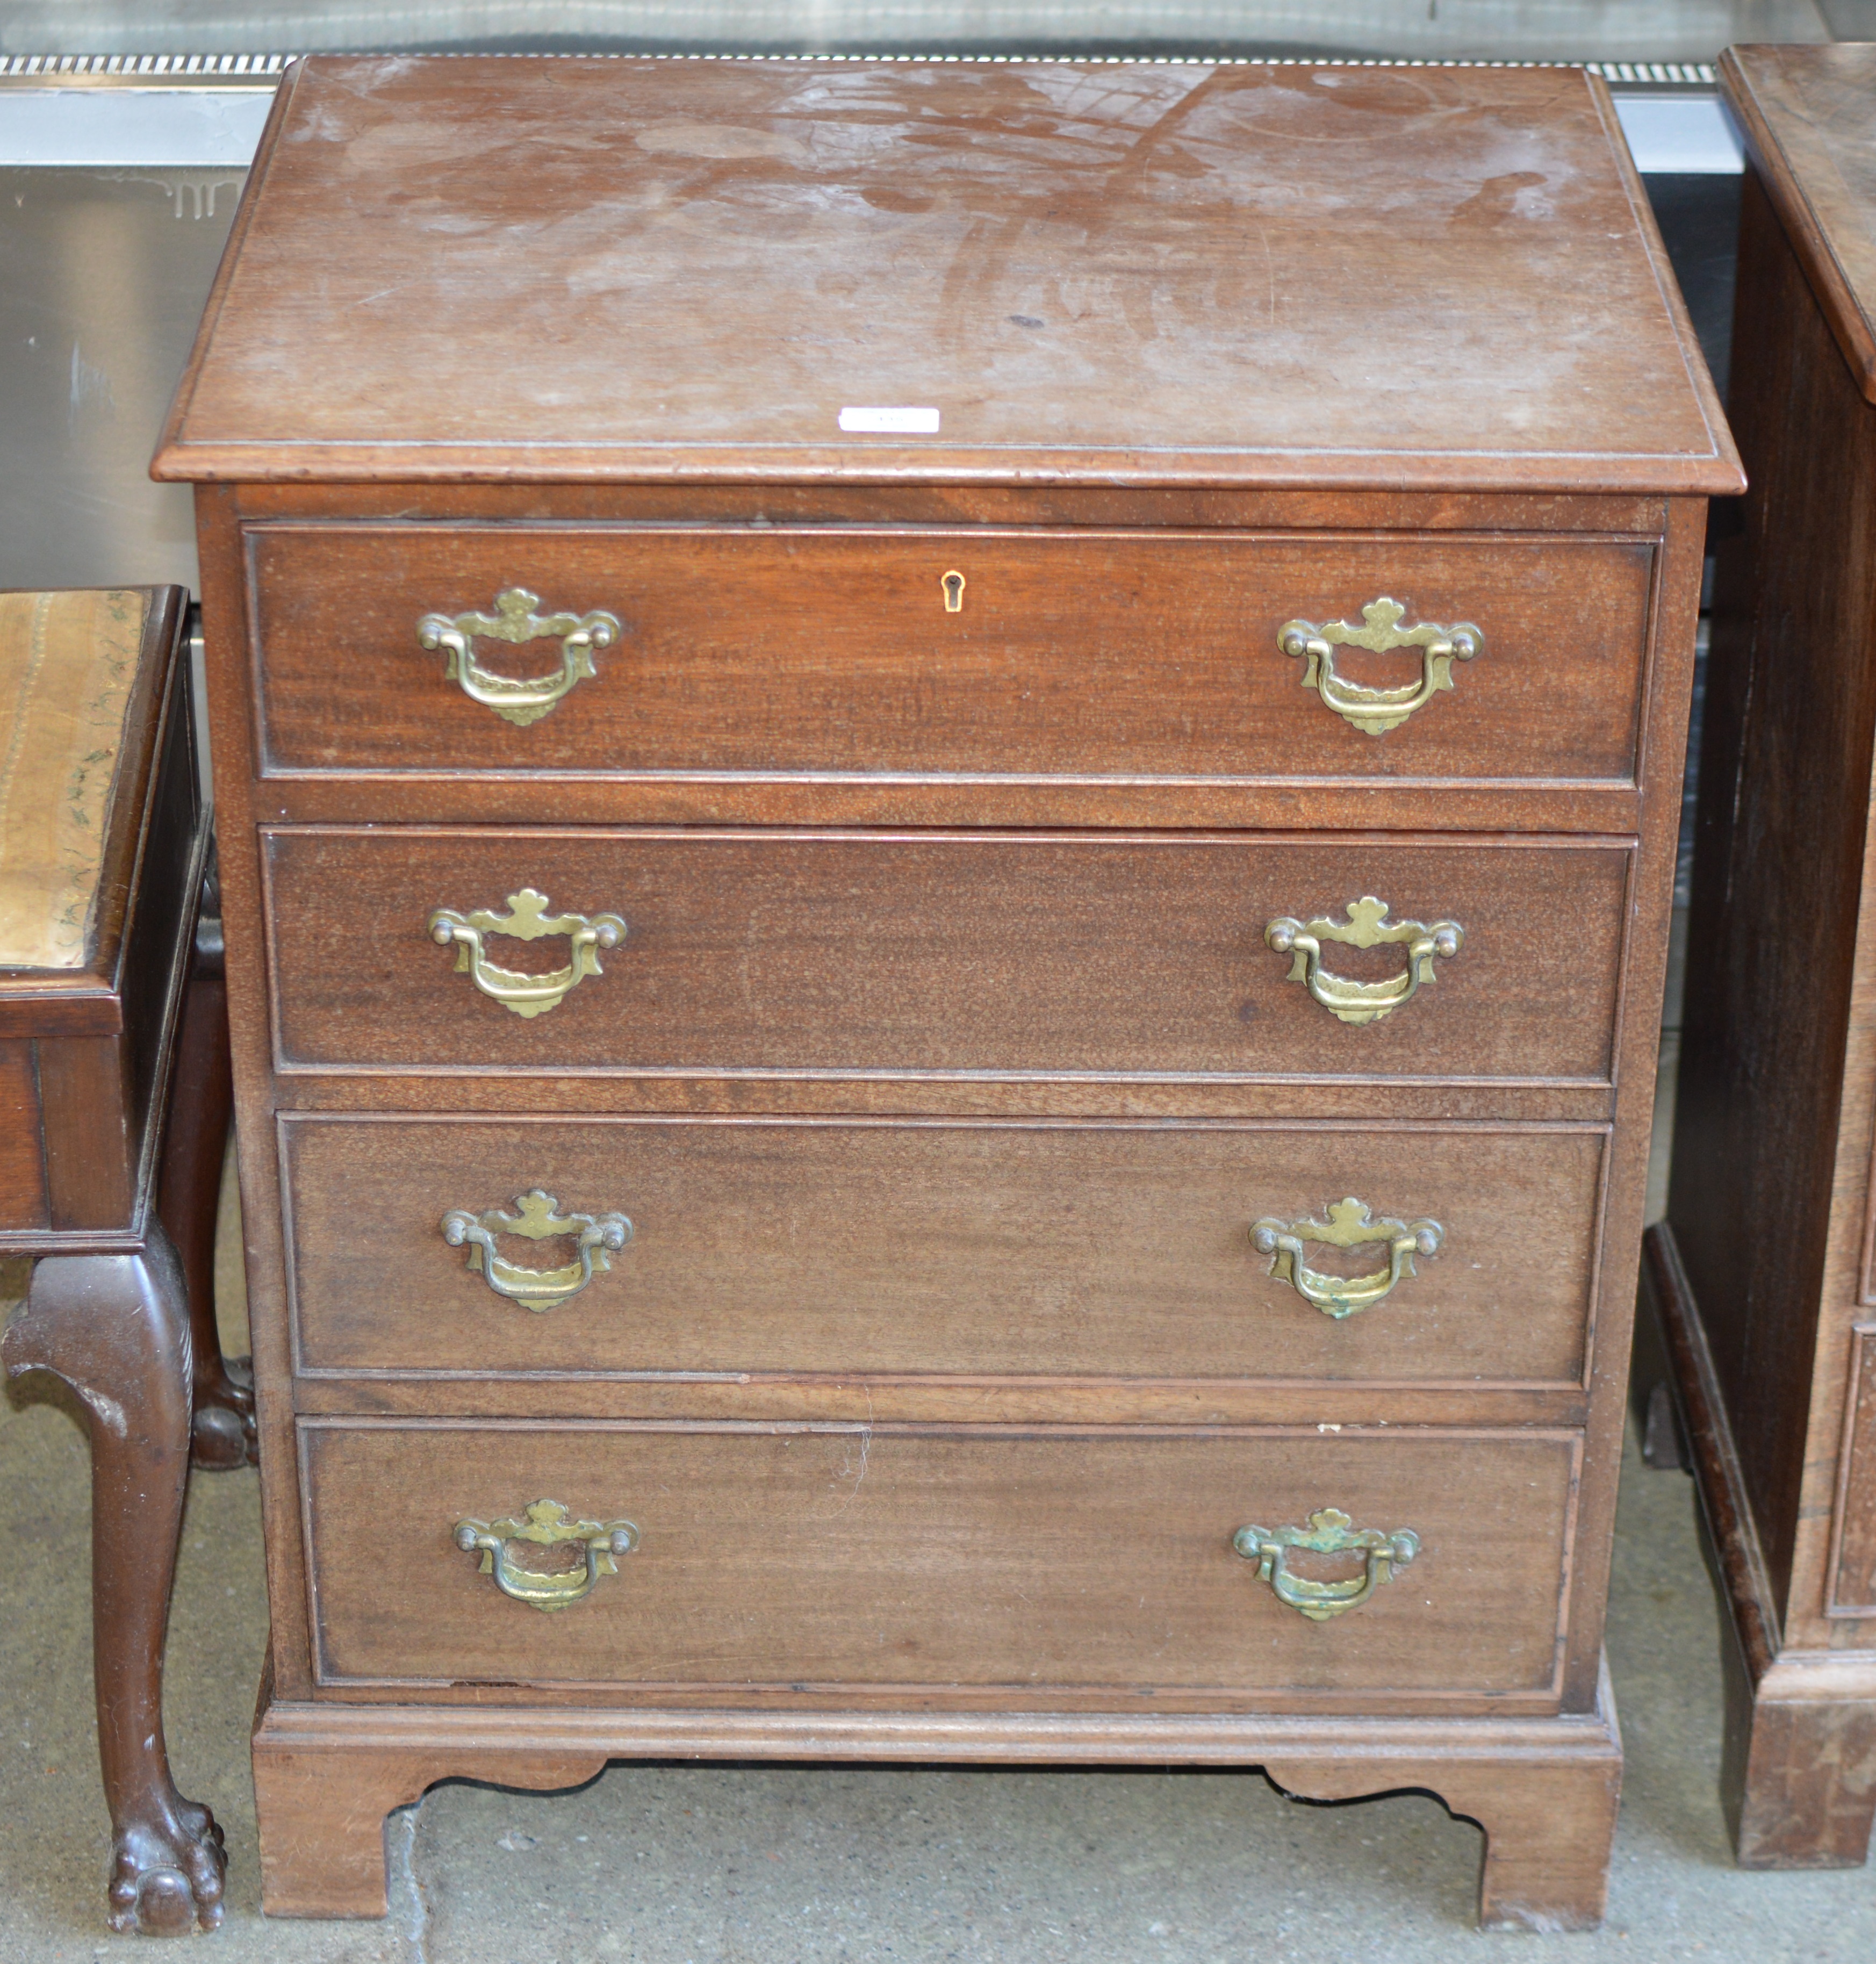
(933, 653)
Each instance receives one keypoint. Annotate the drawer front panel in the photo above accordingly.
(797, 1559)
(773, 1246)
(840, 954)
(1070, 653)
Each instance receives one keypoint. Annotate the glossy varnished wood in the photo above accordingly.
(1762, 1266)
(1014, 1250)
(1082, 269)
(1029, 1570)
(22, 1152)
(1805, 114)
(846, 955)
(1020, 874)
(777, 651)
(1544, 1790)
(85, 1086)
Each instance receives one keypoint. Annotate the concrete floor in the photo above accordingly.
(716, 1865)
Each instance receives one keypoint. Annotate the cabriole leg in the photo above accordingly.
(201, 1098)
(115, 1330)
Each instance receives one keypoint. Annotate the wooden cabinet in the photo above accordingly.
(948, 798)
(1762, 1272)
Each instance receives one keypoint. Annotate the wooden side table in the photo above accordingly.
(1764, 1273)
(104, 846)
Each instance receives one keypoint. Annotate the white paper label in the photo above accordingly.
(891, 421)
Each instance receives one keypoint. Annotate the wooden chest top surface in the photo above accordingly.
(619, 270)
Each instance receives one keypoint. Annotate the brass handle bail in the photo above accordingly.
(519, 700)
(537, 1217)
(1378, 710)
(1330, 1531)
(527, 919)
(545, 1525)
(1367, 926)
(1350, 1225)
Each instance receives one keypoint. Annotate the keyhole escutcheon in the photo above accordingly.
(953, 585)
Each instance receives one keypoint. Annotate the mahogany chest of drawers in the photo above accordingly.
(1764, 1273)
(947, 800)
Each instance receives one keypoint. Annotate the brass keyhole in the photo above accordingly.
(953, 585)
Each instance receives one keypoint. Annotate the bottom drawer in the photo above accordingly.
(805, 1563)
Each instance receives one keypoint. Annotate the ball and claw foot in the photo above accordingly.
(222, 1430)
(168, 1878)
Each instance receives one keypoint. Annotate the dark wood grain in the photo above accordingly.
(1777, 874)
(85, 1069)
(159, 934)
(1805, 114)
(1853, 1587)
(748, 247)
(767, 650)
(601, 789)
(22, 1153)
(1778, 1072)
(774, 954)
(1798, 1776)
(1544, 1790)
(799, 1564)
(188, 1198)
(103, 1032)
(92, 1145)
(1451, 507)
(1019, 873)
(1005, 1250)
(113, 1330)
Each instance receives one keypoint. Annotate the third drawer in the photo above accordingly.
(988, 1248)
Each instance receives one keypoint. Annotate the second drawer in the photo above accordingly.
(783, 1246)
(945, 955)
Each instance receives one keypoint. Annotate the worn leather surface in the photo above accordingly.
(68, 666)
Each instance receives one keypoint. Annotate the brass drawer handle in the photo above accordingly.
(1367, 926)
(527, 919)
(546, 1526)
(1330, 1531)
(537, 1218)
(519, 700)
(1377, 711)
(1350, 1225)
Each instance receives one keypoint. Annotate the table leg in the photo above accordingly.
(187, 1196)
(114, 1329)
